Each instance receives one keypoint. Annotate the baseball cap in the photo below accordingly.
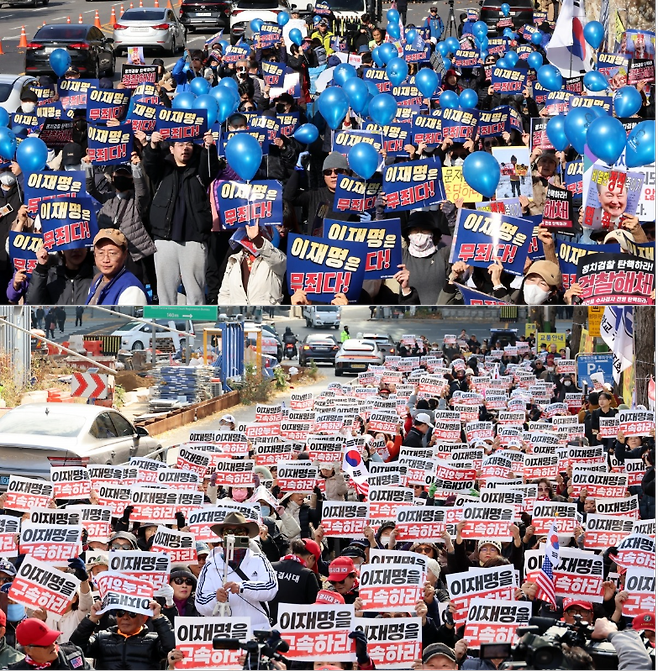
(227, 418)
(424, 419)
(335, 160)
(7, 567)
(354, 552)
(29, 95)
(98, 558)
(438, 649)
(569, 602)
(340, 568)
(202, 548)
(72, 154)
(548, 270)
(325, 596)
(33, 632)
(114, 235)
(645, 621)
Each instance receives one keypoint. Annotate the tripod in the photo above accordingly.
(452, 24)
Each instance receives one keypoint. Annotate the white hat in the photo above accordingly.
(227, 418)
(423, 418)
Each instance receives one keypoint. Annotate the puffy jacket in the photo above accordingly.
(145, 650)
(265, 279)
(69, 658)
(199, 173)
(8, 654)
(51, 285)
(325, 39)
(124, 289)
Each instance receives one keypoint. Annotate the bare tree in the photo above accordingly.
(644, 335)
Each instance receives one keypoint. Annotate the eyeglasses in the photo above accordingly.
(180, 581)
(108, 255)
(334, 171)
(122, 612)
(425, 550)
(237, 531)
(120, 547)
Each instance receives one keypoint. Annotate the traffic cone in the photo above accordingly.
(22, 43)
(97, 21)
(113, 17)
(2, 51)
(169, 4)
(68, 19)
(157, 4)
(141, 3)
(121, 11)
(131, 4)
(80, 18)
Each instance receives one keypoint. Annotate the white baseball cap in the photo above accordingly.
(227, 418)
(424, 419)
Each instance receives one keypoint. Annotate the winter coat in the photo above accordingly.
(265, 286)
(297, 584)
(68, 622)
(69, 658)
(172, 612)
(124, 289)
(51, 285)
(8, 654)
(335, 488)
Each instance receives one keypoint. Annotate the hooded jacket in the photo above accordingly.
(51, 284)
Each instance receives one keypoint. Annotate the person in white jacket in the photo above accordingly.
(254, 275)
(250, 583)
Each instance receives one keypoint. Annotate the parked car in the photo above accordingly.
(244, 11)
(504, 336)
(212, 14)
(355, 355)
(319, 348)
(137, 335)
(91, 52)
(322, 316)
(520, 12)
(34, 437)
(11, 88)
(151, 28)
(384, 342)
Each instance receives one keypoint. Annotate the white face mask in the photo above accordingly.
(567, 383)
(28, 108)
(421, 244)
(7, 179)
(534, 295)
(384, 540)
(72, 168)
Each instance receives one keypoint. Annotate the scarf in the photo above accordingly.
(180, 606)
(296, 558)
(39, 666)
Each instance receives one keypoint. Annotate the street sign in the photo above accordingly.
(91, 385)
(201, 313)
(594, 317)
(587, 364)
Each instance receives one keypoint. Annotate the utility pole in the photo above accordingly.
(644, 335)
(579, 320)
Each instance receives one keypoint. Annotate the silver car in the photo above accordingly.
(11, 88)
(34, 437)
(151, 28)
(356, 355)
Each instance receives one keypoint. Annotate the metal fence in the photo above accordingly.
(15, 344)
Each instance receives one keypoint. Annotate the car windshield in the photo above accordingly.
(347, 5)
(65, 32)
(40, 424)
(5, 90)
(326, 309)
(321, 341)
(143, 15)
(130, 326)
(257, 4)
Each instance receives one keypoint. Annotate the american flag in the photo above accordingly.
(361, 488)
(545, 583)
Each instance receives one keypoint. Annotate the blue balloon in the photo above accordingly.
(641, 145)
(484, 43)
(482, 173)
(382, 109)
(508, 33)
(393, 29)
(393, 16)
(387, 51)
(512, 58)
(377, 57)
(199, 86)
(60, 60)
(224, 44)
(316, 20)
(363, 160)
(256, 25)
(556, 134)
(594, 33)
(226, 100)
(306, 134)
(468, 99)
(550, 77)
(4, 117)
(537, 37)
(357, 93)
(595, 81)
(31, 155)
(501, 63)
(576, 124)
(480, 29)
(606, 138)
(7, 143)
(397, 70)
(372, 89)
(296, 36)
(442, 48)
(183, 101)
(343, 72)
(411, 35)
(535, 60)
(453, 45)
(244, 154)
(504, 8)
(229, 82)
(627, 101)
(447, 63)
(333, 105)
(449, 99)
(210, 105)
(282, 18)
(427, 82)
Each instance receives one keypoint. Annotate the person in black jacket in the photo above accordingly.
(297, 583)
(414, 438)
(128, 645)
(183, 583)
(180, 215)
(62, 279)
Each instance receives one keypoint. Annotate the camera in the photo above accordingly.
(540, 646)
(266, 647)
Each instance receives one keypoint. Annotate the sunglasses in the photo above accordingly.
(122, 612)
(338, 583)
(425, 549)
(334, 171)
(6, 579)
(120, 547)
(180, 581)
(236, 531)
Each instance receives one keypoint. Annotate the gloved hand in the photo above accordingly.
(127, 512)
(365, 217)
(167, 592)
(432, 490)
(79, 569)
(361, 642)
(213, 479)
(180, 519)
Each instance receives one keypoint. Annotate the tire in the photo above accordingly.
(137, 345)
(338, 372)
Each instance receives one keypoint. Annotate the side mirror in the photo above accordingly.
(109, 40)
(140, 431)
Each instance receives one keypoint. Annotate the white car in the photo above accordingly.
(11, 88)
(322, 316)
(151, 28)
(137, 335)
(245, 11)
(356, 355)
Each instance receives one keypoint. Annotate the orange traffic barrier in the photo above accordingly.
(79, 18)
(68, 19)
(22, 44)
(97, 21)
(2, 51)
(131, 4)
(113, 17)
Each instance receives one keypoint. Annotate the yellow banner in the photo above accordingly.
(560, 340)
(629, 384)
(594, 317)
(456, 186)
(530, 329)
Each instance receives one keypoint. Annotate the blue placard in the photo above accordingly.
(345, 140)
(259, 133)
(53, 110)
(508, 80)
(356, 195)
(414, 184)
(427, 130)
(573, 178)
(239, 204)
(604, 102)
(143, 116)
(288, 123)
(23, 250)
(68, 223)
(414, 55)
(268, 35)
(458, 125)
(322, 268)
(481, 237)
(29, 123)
(257, 122)
(474, 298)
(379, 78)
(73, 93)
(106, 104)
(407, 94)
(180, 125)
(52, 184)
(273, 73)
(109, 145)
(570, 253)
(587, 364)
(236, 52)
(380, 240)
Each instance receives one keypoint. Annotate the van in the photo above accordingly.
(322, 316)
(137, 335)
